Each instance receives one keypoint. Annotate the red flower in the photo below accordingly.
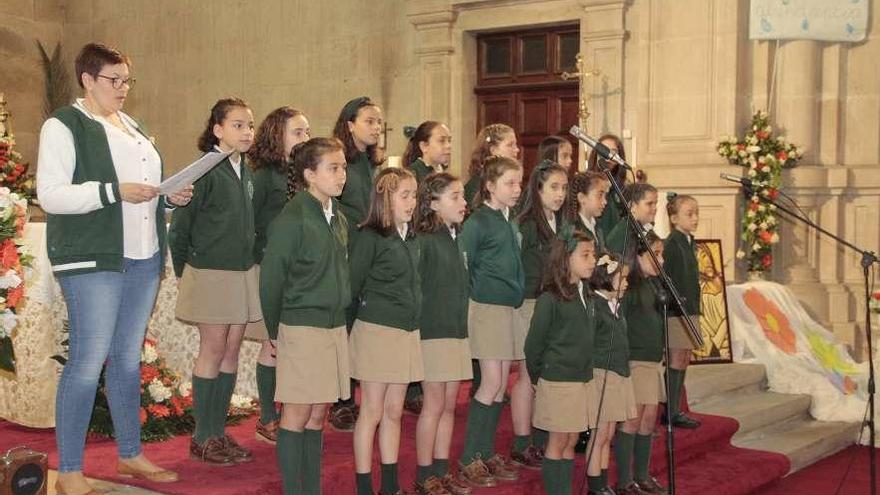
(876, 295)
(759, 166)
(767, 260)
(148, 373)
(754, 205)
(782, 156)
(8, 254)
(14, 295)
(159, 410)
(143, 414)
(762, 135)
(178, 404)
(765, 236)
(773, 193)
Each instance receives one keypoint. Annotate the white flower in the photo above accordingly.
(750, 214)
(10, 280)
(762, 207)
(756, 247)
(774, 238)
(149, 354)
(772, 207)
(185, 388)
(753, 149)
(241, 401)
(8, 321)
(753, 172)
(771, 220)
(740, 254)
(752, 227)
(158, 391)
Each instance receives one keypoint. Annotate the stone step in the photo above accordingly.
(706, 380)
(756, 409)
(804, 441)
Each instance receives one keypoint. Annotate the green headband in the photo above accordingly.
(566, 234)
(409, 131)
(350, 110)
(671, 195)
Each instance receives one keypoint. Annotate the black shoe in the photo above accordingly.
(583, 440)
(682, 420)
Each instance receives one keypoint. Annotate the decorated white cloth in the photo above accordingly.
(28, 397)
(770, 327)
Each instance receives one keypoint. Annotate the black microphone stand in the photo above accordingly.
(676, 298)
(868, 259)
(663, 299)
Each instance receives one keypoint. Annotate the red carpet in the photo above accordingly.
(825, 476)
(706, 463)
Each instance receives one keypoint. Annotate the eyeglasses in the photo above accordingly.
(117, 81)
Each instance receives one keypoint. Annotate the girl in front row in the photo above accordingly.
(490, 241)
(212, 243)
(304, 290)
(445, 348)
(644, 323)
(385, 345)
(560, 337)
(613, 399)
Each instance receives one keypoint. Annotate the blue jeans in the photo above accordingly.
(108, 313)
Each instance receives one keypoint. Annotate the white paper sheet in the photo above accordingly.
(192, 172)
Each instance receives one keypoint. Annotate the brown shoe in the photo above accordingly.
(529, 458)
(342, 417)
(501, 468)
(631, 489)
(652, 486)
(211, 451)
(477, 474)
(267, 432)
(237, 453)
(454, 486)
(161, 476)
(431, 486)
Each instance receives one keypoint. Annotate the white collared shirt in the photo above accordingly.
(581, 292)
(402, 231)
(504, 211)
(328, 211)
(135, 159)
(589, 223)
(612, 303)
(236, 163)
(552, 223)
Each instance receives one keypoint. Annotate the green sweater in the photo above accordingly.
(611, 215)
(680, 262)
(270, 195)
(93, 241)
(491, 248)
(611, 335)
(599, 237)
(644, 321)
(444, 287)
(304, 273)
(471, 188)
(385, 279)
(355, 199)
(420, 169)
(620, 235)
(216, 229)
(534, 253)
(559, 346)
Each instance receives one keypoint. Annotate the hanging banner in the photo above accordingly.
(823, 20)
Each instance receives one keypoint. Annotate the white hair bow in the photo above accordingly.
(606, 260)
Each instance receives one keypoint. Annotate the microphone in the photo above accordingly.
(739, 180)
(602, 150)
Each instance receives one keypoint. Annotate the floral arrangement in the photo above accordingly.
(166, 401)
(14, 258)
(14, 172)
(763, 157)
(874, 303)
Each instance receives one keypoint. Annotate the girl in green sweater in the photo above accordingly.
(559, 355)
(446, 351)
(428, 150)
(587, 198)
(540, 220)
(492, 140)
(283, 128)
(386, 352)
(644, 323)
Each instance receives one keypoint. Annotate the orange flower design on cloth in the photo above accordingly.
(774, 323)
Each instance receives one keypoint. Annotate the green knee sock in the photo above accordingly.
(520, 443)
(550, 475)
(311, 475)
(364, 482)
(566, 471)
(488, 444)
(222, 398)
(642, 456)
(594, 483)
(266, 391)
(539, 438)
(477, 419)
(423, 473)
(389, 478)
(440, 467)
(290, 447)
(413, 391)
(676, 380)
(623, 454)
(202, 391)
(604, 477)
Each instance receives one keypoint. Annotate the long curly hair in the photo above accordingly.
(581, 183)
(343, 133)
(268, 148)
(489, 136)
(427, 220)
(557, 270)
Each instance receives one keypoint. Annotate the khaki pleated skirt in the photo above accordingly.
(385, 354)
(313, 365)
(492, 330)
(679, 335)
(522, 321)
(647, 380)
(562, 407)
(219, 296)
(447, 360)
(256, 330)
(619, 401)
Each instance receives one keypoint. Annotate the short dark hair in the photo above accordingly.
(306, 156)
(93, 57)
